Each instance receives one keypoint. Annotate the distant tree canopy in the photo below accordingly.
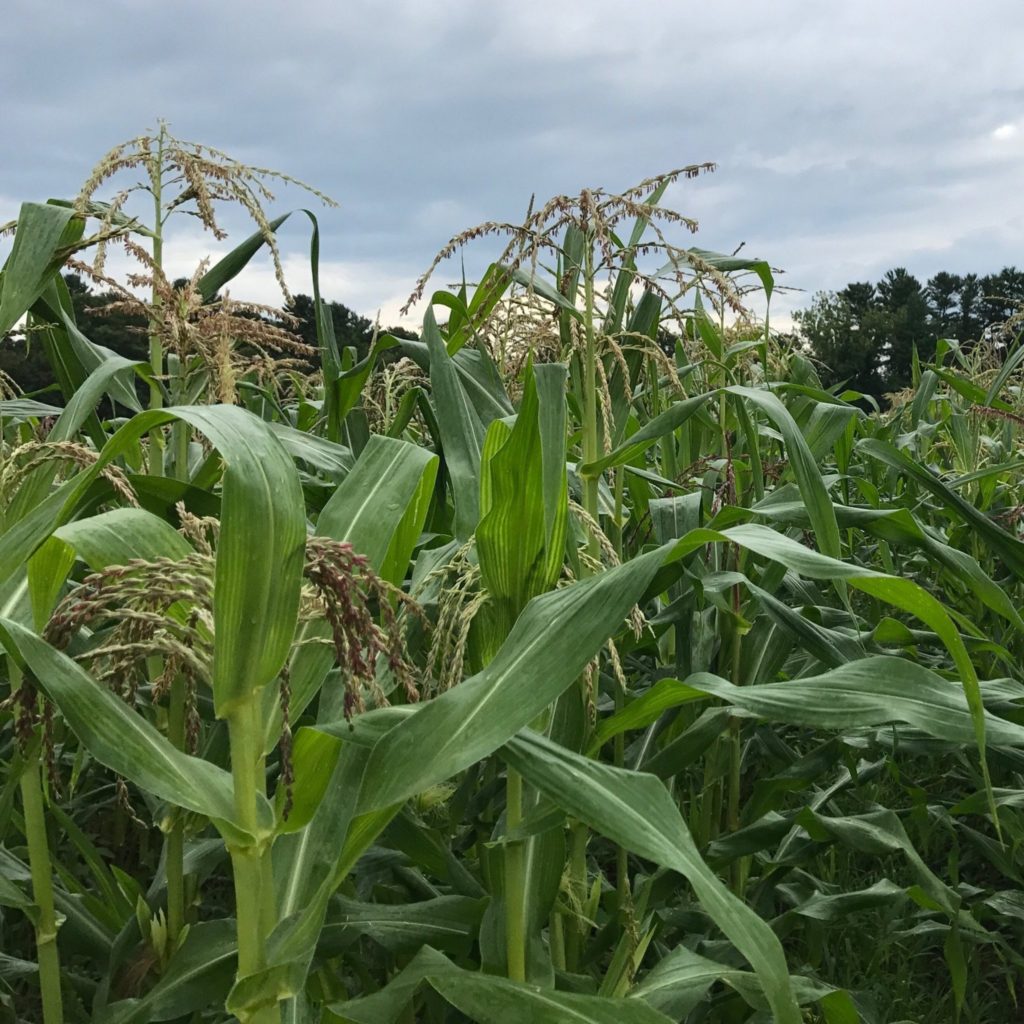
(865, 335)
(100, 319)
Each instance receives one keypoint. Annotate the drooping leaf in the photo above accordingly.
(124, 741)
(636, 811)
(868, 692)
(44, 234)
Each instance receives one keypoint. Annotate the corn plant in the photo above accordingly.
(590, 663)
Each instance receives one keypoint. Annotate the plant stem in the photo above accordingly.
(556, 940)
(156, 356)
(245, 734)
(578, 886)
(591, 452)
(174, 850)
(739, 868)
(179, 431)
(619, 491)
(591, 444)
(47, 953)
(515, 882)
(621, 853)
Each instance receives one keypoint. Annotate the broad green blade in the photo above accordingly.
(110, 538)
(124, 741)
(647, 708)
(538, 661)
(260, 553)
(678, 982)
(198, 977)
(334, 460)
(47, 572)
(520, 539)
(118, 536)
(44, 233)
(379, 508)
(489, 999)
(870, 692)
(32, 490)
(804, 466)
(899, 526)
(230, 266)
(462, 432)
(879, 834)
(675, 416)
(636, 811)
(488, 292)
(1008, 547)
(381, 505)
(447, 923)
(697, 259)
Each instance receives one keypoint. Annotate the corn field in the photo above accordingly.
(582, 660)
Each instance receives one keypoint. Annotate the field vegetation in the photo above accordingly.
(579, 658)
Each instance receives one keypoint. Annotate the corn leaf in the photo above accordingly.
(635, 810)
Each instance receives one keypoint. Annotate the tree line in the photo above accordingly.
(864, 336)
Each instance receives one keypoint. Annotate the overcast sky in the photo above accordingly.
(850, 138)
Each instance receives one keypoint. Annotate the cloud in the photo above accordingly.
(850, 138)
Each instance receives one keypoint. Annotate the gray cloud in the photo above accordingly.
(850, 138)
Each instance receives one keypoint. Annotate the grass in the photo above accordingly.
(591, 662)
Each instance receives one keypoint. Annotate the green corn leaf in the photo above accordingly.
(124, 741)
(333, 460)
(805, 469)
(492, 285)
(489, 999)
(118, 536)
(1005, 545)
(835, 908)
(17, 410)
(696, 259)
(260, 552)
(869, 692)
(229, 267)
(536, 663)
(478, 376)
(462, 432)
(900, 526)
(197, 977)
(381, 505)
(675, 416)
(34, 489)
(647, 708)
(636, 811)
(379, 508)
(524, 498)
(47, 572)
(388, 1005)
(43, 237)
(679, 981)
(879, 834)
(446, 923)
(900, 592)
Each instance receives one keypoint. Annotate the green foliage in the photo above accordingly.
(584, 657)
(865, 336)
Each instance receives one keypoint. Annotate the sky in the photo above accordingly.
(849, 138)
